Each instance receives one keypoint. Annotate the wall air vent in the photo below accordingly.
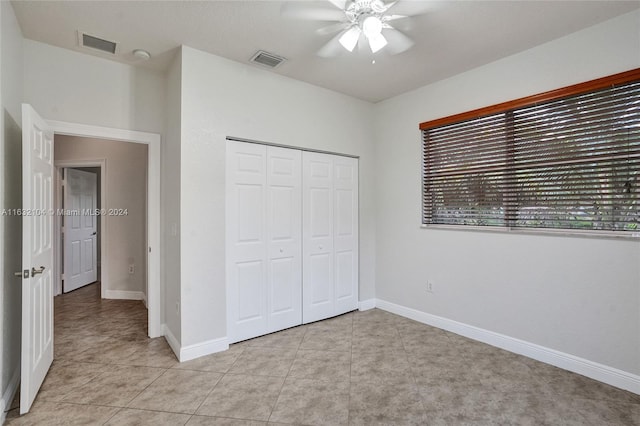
(96, 43)
(267, 59)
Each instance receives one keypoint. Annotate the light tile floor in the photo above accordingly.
(362, 368)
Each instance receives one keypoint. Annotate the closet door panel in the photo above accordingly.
(246, 240)
(284, 230)
(250, 281)
(345, 216)
(318, 266)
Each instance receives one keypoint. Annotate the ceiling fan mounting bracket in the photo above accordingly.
(358, 10)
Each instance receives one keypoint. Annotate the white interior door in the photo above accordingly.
(246, 240)
(318, 260)
(37, 255)
(80, 229)
(284, 229)
(345, 233)
(264, 242)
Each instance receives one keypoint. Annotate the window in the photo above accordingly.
(566, 159)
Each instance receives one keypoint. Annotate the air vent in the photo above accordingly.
(93, 42)
(267, 59)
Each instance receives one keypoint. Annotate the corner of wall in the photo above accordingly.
(171, 285)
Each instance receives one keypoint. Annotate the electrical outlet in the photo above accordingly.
(430, 286)
(177, 307)
(132, 269)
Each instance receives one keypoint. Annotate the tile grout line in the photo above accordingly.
(147, 387)
(208, 393)
(114, 414)
(287, 375)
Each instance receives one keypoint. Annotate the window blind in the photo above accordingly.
(570, 162)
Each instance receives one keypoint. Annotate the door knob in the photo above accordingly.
(35, 271)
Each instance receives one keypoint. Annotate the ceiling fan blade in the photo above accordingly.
(332, 47)
(410, 7)
(387, 18)
(330, 29)
(302, 10)
(340, 4)
(389, 5)
(398, 42)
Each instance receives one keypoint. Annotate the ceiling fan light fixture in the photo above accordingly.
(349, 39)
(377, 42)
(371, 26)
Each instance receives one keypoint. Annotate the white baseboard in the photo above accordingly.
(124, 294)
(205, 348)
(8, 395)
(190, 352)
(603, 373)
(365, 305)
(144, 300)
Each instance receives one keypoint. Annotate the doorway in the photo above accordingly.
(120, 224)
(152, 203)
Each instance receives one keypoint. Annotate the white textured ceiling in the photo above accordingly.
(451, 37)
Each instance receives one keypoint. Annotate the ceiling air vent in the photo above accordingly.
(96, 43)
(267, 59)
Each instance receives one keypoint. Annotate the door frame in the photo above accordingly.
(57, 226)
(154, 249)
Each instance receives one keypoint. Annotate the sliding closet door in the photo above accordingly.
(330, 235)
(246, 240)
(264, 243)
(284, 234)
(345, 233)
(317, 212)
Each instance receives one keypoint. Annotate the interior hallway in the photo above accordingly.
(362, 368)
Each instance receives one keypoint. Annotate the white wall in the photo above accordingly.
(577, 295)
(69, 86)
(10, 197)
(126, 188)
(224, 98)
(171, 200)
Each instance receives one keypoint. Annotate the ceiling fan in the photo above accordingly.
(359, 22)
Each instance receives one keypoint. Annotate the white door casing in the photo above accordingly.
(80, 229)
(264, 244)
(37, 255)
